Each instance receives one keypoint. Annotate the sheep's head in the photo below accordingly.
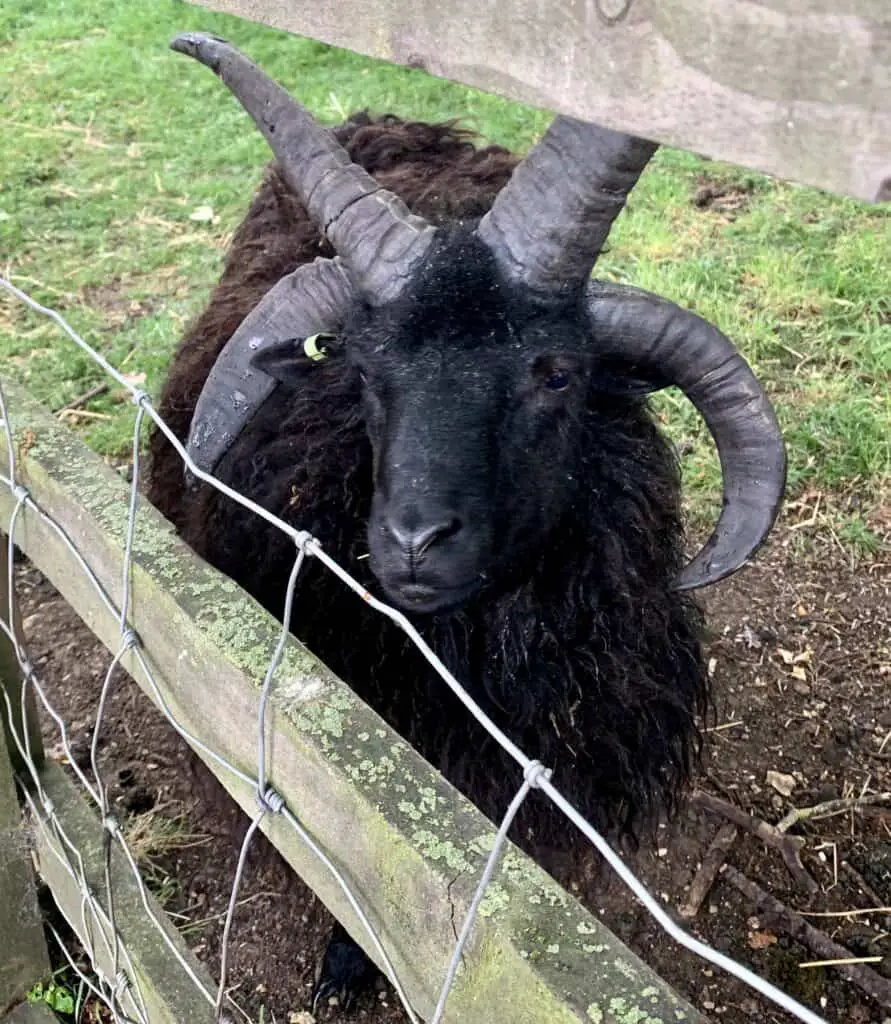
(472, 398)
(479, 351)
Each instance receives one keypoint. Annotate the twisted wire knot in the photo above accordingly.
(111, 824)
(129, 639)
(20, 493)
(534, 772)
(140, 397)
(270, 800)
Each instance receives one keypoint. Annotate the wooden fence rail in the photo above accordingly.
(798, 88)
(24, 960)
(410, 845)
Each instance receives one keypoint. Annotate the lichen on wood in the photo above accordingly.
(416, 846)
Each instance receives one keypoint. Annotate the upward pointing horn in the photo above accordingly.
(373, 231)
(549, 223)
(546, 229)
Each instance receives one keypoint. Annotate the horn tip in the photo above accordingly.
(200, 45)
(722, 556)
(697, 575)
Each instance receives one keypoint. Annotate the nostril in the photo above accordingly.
(416, 543)
(436, 534)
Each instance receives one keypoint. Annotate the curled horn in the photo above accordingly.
(548, 225)
(311, 300)
(657, 340)
(373, 231)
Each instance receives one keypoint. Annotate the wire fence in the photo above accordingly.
(119, 987)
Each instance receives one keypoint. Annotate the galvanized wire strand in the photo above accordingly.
(63, 842)
(21, 498)
(98, 798)
(79, 1001)
(230, 911)
(131, 522)
(336, 874)
(143, 400)
(29, 504)
(90, 985)
(396, 616)
(300, 538)
(198, 744)
(28, 671)
(150, 913)
(194, 741)
(107, 821)
(265, 796)
(274, 663)
(310, 545)
(62, 847)
(681, 936)
(27, 501)
(47, 817)
(530, 780)
(685, 939)
(128, 641)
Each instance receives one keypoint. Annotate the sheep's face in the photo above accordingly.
(472, 399)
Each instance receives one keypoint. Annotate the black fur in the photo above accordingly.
(587, 659)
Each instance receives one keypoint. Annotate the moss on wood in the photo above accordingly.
(416, 847)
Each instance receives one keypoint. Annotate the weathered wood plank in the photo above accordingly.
(24, 959)
(415, 846)
(798, 89)
(11, 678)
(170, 997)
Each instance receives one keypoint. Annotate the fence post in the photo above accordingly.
(10, 676)
(25, 960)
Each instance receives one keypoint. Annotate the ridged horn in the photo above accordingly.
(311, 300)
(670, 345)
(549, 223)
(373, 231)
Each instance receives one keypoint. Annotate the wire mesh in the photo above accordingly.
(113, 986)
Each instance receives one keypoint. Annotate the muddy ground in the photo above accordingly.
(800, 652)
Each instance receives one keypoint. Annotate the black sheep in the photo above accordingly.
(453, 397)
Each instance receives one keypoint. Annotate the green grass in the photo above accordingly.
(110, 143)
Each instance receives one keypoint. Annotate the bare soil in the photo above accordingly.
(800, 653)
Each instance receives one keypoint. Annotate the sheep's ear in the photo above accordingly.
(289, 360)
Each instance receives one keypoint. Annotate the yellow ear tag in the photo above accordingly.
(313, 350)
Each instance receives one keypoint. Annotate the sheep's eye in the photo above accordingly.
(558, 381)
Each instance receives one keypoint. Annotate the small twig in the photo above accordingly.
(788, 847)
(76, 403)
(830, 807)
(708, 870)
(813, 518)
(864, 886)
(841, 961)
(82, 414)
(874, 985)
(845, 913)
